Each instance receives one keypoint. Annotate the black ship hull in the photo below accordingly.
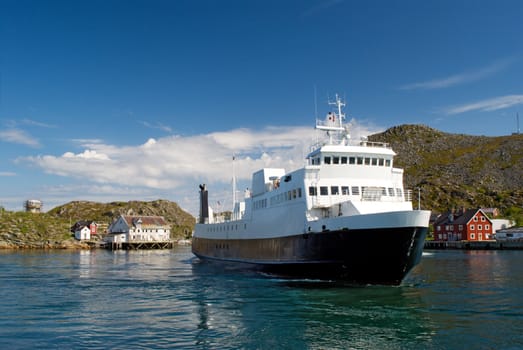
(367, 256)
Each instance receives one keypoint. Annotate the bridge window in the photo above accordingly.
(345, 190)
(360, 160)
(355, 190)
(352, 160)
(335, 160)
(335, 190)
(324, 191)
(343, 160)
(327, 160)
(313, 191)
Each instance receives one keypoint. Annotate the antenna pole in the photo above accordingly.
(233, 184)
(517, 120)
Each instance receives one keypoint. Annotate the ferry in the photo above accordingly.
(343, 216)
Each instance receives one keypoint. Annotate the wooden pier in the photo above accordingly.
(140, 245)
(475, 245)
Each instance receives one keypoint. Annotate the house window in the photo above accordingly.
(472, 228)
(487, 227)
(460, 227)
(438, 228)
(475, 218)
(472, 236)
(480, 227)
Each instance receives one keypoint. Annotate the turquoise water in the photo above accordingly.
(169, 299)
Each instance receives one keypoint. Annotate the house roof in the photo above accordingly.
(511, 230)
(145, 221)
(81, 224)
(458, 218)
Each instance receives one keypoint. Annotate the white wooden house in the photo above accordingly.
(129, 229)
(83, 230)
(83, 235)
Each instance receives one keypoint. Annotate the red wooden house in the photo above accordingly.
(463, 225)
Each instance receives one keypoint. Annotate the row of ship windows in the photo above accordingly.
(354, 190)
(325, 191)
(352, 160)
(226, 227)
(279, 198)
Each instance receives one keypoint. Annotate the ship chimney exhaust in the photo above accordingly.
(204, 204)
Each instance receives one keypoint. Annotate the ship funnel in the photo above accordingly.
(204, 204)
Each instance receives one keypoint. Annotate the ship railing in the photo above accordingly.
(408, 195)
(366, 143)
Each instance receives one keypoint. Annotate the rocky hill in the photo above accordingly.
(455, 170)
(28, 230)
(105, 213)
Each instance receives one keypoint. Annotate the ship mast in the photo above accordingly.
(233, 183)
(334, 129)
(339, 105)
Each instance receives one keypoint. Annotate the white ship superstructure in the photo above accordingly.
(345, 209)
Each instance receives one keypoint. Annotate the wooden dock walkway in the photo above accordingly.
(475, 245)
(141, 245)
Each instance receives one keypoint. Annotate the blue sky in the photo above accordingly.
(119, 100)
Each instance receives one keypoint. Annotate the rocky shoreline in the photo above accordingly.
(65, 244)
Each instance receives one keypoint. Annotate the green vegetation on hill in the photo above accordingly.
(28, 230)
(454, 170)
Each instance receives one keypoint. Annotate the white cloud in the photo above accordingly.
(460, 78)
(172, 167)
(18, 136)
(30, 122)
(159, 126)
(87, 154)
(7, 173)
(491, 104)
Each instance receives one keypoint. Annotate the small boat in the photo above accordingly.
(343, 216)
